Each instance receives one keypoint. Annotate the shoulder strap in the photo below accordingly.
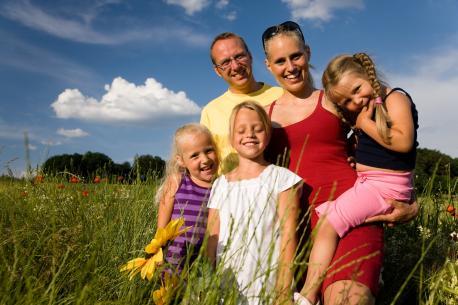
(271, 108)
(401, 90)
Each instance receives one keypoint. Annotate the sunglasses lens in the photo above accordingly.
(269, 33)
(274, 30)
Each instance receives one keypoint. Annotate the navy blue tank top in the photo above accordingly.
(371, 153)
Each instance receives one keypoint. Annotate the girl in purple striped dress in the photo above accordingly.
(185, 190)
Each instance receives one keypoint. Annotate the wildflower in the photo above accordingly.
(39, 179)
(74, 179)
(60, 186)
(85, 193)
(454, 236)
(97, 179)
(155, 256)
(424, 232)
(24, 193)
(451, 209)
(162, 295)
(146, 266)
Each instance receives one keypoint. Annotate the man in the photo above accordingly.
(232, 61)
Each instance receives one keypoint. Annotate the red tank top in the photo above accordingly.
(317, 153)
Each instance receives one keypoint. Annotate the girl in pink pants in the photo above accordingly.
(385, 122)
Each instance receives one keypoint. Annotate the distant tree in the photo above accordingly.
(427, 160)
(95, 163)
(123, 169)
(63, 163)
(147, 165)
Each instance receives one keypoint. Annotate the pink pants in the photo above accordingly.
(366, 198)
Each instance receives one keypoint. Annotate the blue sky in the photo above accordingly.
(118, 77)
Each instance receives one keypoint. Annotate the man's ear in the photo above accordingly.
(217, 71)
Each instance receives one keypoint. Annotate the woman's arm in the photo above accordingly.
(212, 234)
(169, 189)
(288, 211)
(402, 128)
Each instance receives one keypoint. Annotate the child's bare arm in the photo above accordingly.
(402, 128)
(288, 211)
(212, 233)
(169, 189)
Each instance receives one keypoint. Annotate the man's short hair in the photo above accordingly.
(227, 35)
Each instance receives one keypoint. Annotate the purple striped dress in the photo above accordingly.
(191, 203)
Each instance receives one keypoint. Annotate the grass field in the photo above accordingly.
(63, 243)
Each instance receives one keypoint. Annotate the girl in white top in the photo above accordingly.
(253, 213)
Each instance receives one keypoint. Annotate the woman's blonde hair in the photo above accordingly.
(173, 170)
(251, 105)
(363, 66)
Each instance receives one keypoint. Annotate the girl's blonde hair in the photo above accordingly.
(173, 170)
(363, 66)
(251, 105)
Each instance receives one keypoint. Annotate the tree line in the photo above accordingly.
(91, 164)
(96, 164)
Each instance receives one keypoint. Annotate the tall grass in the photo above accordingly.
(63, 243)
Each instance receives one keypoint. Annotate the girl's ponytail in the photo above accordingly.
(382, 119)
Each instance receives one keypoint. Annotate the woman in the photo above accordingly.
(307, 127)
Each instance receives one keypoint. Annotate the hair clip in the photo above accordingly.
(378, 101)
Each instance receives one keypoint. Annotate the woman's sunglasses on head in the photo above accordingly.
(287, 26)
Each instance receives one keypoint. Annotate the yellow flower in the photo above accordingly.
(133, 266)
(164, 235)
(162, 295)
(144, 265)
(147, 266)
(150, 266)
(159, 296)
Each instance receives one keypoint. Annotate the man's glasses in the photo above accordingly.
(240, 59)
(287, 26)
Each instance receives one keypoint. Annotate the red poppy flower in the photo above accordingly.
(97, 179)
(39, 179)
(60, 186)
(85, 193)
(451, 209)
(74, 179)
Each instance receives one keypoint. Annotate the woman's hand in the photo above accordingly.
(402, 212)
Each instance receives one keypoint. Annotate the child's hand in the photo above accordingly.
(365, 114)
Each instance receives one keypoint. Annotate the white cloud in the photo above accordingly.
(50, 142)
(190, 6)
(125, 102)
(72, 133)
(221, 4)
(32, 147)
(320, 10)
(433, 86)
(231, 16)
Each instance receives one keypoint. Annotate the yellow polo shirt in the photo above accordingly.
(215, 115)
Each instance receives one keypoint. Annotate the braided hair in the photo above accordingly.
(362, 65)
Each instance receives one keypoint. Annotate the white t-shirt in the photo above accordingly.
(249, 237)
